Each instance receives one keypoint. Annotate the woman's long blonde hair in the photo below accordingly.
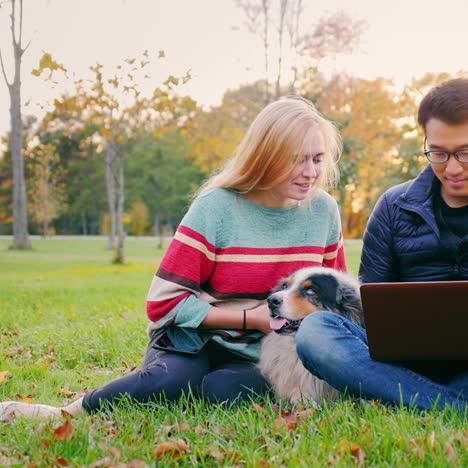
(265, 156)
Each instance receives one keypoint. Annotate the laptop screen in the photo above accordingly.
(416, 320)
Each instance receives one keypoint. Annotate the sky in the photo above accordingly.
(404, 39)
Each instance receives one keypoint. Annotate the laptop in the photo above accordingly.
(416, 320)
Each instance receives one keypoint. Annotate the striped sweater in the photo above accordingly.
(231, 252)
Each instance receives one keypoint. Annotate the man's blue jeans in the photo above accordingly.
(335, 350)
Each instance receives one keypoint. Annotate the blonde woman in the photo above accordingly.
(263, 216)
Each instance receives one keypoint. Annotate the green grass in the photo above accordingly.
(70, 321)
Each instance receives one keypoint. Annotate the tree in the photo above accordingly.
(216, 133)
(83, 185)
(336, 33)
(163, 177)
(20, 217)
(276, 21)
(139, 217)
(369, 115)
(6, 186)
(117, 109)
(46, 188)
(257, 14)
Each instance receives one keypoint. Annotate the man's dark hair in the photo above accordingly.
(447, 102)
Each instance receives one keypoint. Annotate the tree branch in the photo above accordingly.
(26, 46)
(20, 25)
(13, 19)
(4, 72)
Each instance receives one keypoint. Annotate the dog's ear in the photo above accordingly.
(327, 289)
(350, 303)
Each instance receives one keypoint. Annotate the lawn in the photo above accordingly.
(71, 320)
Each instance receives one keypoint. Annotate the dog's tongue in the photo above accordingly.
(277, 322)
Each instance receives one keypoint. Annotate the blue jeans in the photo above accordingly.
(336, 350)
(215, 374)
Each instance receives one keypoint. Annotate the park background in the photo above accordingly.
(127, 106)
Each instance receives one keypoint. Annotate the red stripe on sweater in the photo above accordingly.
(339, 262)
(196, 236)
(183, 260)
(332, 247)
(156, 310)
(252, 278)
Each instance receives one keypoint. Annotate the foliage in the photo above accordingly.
(166, 145)
(45, 185)
(160, 175)
(116, 108)
(71, 322)
(371, 120)
(84, 184)
(139, 218)
(6, 187)
(216, 133)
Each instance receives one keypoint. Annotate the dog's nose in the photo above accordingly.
(274, 302)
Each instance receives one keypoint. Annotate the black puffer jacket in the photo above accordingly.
(403, 242)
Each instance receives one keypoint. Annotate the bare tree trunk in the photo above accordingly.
(282, 17)
(157, 227)
(265, 8)
(83, 223)
(255, 11)
(294, 39)
(110, 184)
(20, 215)
(119, 254)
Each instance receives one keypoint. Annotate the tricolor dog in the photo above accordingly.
(306, 291)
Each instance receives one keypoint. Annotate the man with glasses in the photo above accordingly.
(418, 231)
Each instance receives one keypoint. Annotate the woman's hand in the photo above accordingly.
(259, 319)
(256, 319)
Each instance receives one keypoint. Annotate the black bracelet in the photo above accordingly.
(244, 323)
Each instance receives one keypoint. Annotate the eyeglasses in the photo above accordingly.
(441, 157)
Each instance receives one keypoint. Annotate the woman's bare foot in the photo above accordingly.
(10, 410)
(73, 409)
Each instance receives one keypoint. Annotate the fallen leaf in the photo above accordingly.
(307, 413)
(66, 393)
(115, 452)
(258, 408)
(289, 423)
(358, 453)
(217, 454)
(61, 461)
(183, 427)
(171, 447)
(65, 431)
(450, 451)
(136, 464)
(182, 445)
(262, 464)
(102, 463)
(25, 399)
(431, 439)
(199, 429)
(4, 376)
